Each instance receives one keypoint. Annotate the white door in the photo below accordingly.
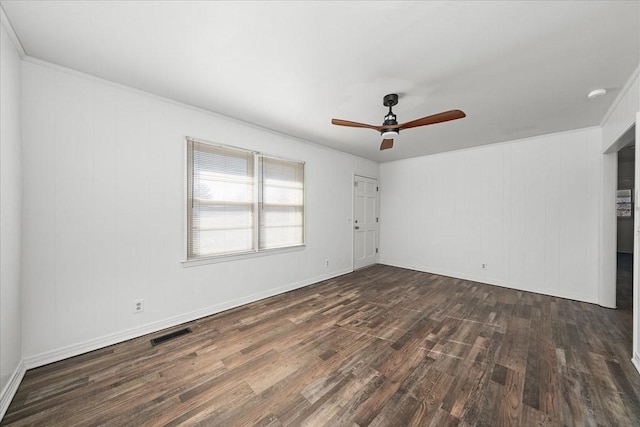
(365, 221)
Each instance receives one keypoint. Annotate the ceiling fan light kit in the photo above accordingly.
(390, 134)
(390, 127)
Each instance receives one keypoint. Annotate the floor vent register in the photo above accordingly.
(170, 336)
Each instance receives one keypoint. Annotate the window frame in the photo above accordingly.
(256, 251)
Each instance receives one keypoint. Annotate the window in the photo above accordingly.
(281, 203)
(241, 201)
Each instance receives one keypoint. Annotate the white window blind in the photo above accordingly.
(281, 203)
(221, 200)
(231, 209)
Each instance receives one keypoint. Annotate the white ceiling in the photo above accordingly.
(517, 69)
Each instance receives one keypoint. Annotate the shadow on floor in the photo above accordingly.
(624, 289)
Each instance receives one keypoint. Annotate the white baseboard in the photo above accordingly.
(636, 361)
(11, 388)
(93, 344)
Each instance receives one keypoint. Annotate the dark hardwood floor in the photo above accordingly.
(624, 290)
(382, 346)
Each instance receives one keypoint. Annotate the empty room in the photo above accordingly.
(319, 213)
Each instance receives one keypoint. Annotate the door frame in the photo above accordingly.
(608, 235)
(635, 357)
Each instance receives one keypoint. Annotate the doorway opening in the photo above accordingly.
(625, 217)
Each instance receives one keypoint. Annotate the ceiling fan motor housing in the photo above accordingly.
(390, 100)
(390, 119)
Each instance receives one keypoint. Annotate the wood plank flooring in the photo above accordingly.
(382, 346)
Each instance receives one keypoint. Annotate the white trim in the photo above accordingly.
(219, 145)
(257, 194)
(243, 255)
(607, 241)
(12, 35)
(635, 341)
(623, 92)
(498, 143)
(185, 201)
(636, 361)
(107, 340)
(9, 391)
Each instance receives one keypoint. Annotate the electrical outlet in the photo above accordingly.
(484, 266)
(138, 306)
(326, 263)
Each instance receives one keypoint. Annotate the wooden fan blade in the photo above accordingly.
(386, 144)
(355, 124)
(436, 118)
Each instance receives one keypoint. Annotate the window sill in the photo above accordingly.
(240, 256)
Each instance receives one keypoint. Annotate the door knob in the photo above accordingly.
(357, 228)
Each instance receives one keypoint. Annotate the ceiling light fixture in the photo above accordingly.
(390, 133)
(596, 93)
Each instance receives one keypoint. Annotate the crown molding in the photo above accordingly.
(623, 92)
(12, 34)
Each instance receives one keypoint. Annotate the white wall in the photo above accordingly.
(104, 222)
(528, 209)
(10, 221)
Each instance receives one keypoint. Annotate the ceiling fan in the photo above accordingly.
(390, 128)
